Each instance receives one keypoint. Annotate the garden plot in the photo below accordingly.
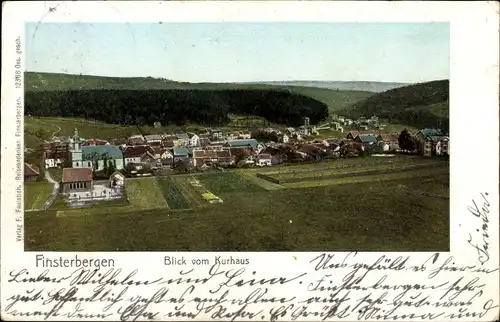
(205, 194)
(173, 194)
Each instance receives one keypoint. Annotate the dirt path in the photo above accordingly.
(55, 190)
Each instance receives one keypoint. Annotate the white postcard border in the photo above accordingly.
(474, 101)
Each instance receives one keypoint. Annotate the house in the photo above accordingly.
(157, 124)
(337, 127)
(290, 131)
(233, 135)
(194, 139)
(168, 144)
(218, 145)
(388, 142)
(157, 152)
(166, 154)
(139, 154)
(443, 146)
(215, 134)
(263, 159)
(180, 152)
(119, 142)
(352, 134)
(309, 151)
(210, 157)
(331, 143)
(224, 157)
(250, 143)
(153, 138)
(428, 139)
(367, 140)
(204, 157)
(203, 142)
(94, 142)
(98, 154)
(53, 159)
(117, 179)
(31, 172)
(182, 139)
(76, 180)
(283, 138)
(136, 140)
(245, 135)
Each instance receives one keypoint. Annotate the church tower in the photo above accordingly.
(76, 151)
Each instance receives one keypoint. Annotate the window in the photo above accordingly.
(89, 164)
(77, 164)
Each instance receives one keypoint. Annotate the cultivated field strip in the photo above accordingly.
(193, 196)
(173, 194)
(419, 173)
(250, 176)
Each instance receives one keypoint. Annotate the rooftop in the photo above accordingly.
(76, 175)
(181, 151)
(111, 150)
(367, 138)
(243, 143)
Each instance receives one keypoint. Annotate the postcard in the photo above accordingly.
(250, 161)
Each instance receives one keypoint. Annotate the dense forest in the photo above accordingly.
(207, 107)
(419, 105)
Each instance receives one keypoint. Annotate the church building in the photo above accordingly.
(94, 156)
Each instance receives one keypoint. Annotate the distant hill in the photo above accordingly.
(375, 87)
(419, 105)
(41, 82)
(142, 101)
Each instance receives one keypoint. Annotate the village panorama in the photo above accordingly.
(150, 163)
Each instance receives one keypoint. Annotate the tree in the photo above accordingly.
(406, 141)
(111, 168)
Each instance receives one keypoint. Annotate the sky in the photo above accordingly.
(243, 52)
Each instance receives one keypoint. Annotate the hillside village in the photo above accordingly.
(156, 154)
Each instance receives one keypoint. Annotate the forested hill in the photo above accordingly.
(419, 105)
(202, 105)
(42, 82)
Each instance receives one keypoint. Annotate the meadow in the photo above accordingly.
(36, 194)
(366, 213)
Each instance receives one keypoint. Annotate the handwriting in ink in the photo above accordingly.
(482, 250)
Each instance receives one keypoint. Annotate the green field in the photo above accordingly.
(364, 213)
(228, 182)
(376, 215)
(36, 194)
(145, 194)
(404, 164)
(173, 194)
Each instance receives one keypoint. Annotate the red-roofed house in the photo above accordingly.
(76, 179)
(138, 154)
(31, 172)
(211, 157)
(353, 134)
(388, 142)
